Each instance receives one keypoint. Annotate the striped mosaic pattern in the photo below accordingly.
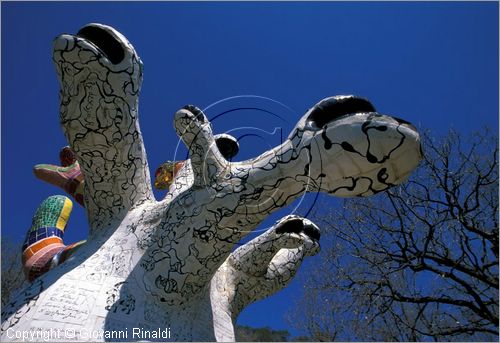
(41, 233)
(44, 238)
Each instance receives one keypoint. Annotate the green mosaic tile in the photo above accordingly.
(48, 212)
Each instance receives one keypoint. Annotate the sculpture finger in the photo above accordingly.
(284, 266)
(286, 262)
(69, 178)
(44, 239)
(264, 265)
(308, 232)
(100, 76)
(290, 232)
(195, 130)
(279, 272)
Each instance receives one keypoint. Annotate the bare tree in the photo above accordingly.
(415, 263)
(265, 334)
(12, 271)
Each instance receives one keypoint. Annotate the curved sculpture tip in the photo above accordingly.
(227, 145)
(100, 75)
(195, 130)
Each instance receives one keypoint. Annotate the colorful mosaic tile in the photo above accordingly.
(44, 238)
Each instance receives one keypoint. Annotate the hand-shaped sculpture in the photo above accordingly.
(168, 264)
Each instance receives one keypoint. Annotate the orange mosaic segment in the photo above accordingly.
(33, 249)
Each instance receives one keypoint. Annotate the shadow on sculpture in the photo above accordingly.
(149, 265)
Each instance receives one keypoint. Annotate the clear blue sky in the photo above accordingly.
(433, 64)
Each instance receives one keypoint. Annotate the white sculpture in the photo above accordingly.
(156, 268)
